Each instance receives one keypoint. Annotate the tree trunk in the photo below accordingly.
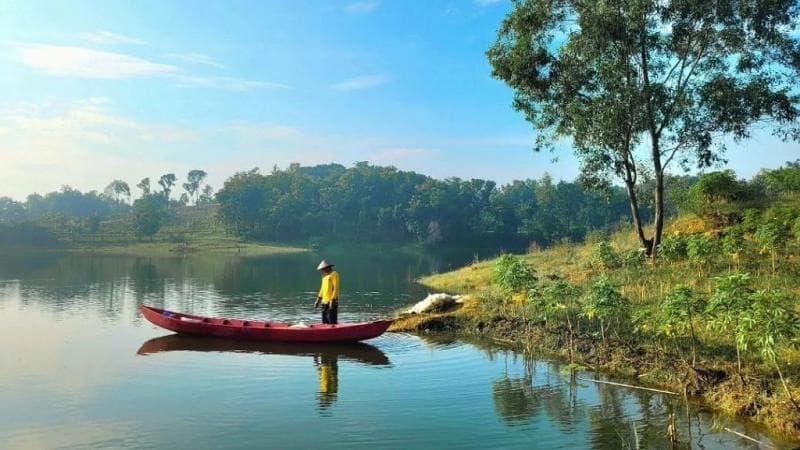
(637, 219)
(658, 224)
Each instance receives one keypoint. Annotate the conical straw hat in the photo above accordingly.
(324, 264)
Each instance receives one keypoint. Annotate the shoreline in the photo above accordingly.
(165, 249)
(713, 385)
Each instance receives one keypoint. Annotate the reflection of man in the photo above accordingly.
(328, 293)
(328, 379)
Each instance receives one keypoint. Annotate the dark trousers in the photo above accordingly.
(330, 313)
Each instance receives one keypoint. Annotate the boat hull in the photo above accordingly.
(252, 330)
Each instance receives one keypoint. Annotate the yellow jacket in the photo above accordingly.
(330, 287)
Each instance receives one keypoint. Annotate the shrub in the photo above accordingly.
(700, 249)
(677, 315)
(733, 244)
(604, 301)
(673, 248)
(513, 275)
(634, 257)
(730, 299)
(604, 256)
(796, 229)
(712, 195)
(772, 237)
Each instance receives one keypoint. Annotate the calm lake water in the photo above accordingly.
(81, 368)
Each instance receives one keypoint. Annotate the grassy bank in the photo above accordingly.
(219, 245)
(215, 246)
(645, 333)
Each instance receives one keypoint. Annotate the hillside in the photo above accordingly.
(718, 290)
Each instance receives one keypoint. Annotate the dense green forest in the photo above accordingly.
(363, 203)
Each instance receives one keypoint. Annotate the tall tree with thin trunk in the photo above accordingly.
(646, 84)
(167, 181)
(194, 180)
(144, 186)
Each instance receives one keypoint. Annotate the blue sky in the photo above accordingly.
(92, 91)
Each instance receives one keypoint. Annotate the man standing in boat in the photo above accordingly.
(328, 296)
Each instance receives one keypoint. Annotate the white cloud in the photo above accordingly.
(229, 83)
(94, 64)
(108, 38)
(487, 2)
(86, 63)
(86, 143)
(82, 144)
(362, 82)
(195, 58)
(362, 7)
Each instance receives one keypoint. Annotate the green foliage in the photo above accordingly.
(730, 299)
(117, 188)
(11, 211)
(144, 186)
(370, 203)
(772, 237)
(715, 194)
(149, 214)
(634, 258)
(513, 275)
(785, 179)
(672, 74)
(192, 186)
(604, 256)
(679, 309)
(700, 249)
(166, 182)
(603, 301)
(769, 322)
(25, 235)
(796, 229)
(734, 244)
(678, 313)
(673, 248)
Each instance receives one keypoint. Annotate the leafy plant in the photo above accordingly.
(700, 249)
(731, 297)
(678, 313)
(733, 244)
(673, 248)
(563, 300)
(769, 322)
(604, 256)
(604, 301)
(796, 229)
(633, 258)
(513, 275)
(772, 237)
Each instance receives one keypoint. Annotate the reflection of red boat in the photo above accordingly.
(263, 331)
(347, 351)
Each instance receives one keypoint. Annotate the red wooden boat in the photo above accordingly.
(253, 330)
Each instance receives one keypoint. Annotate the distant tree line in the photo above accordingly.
(365, 203)
(75, 213)
(373, 203)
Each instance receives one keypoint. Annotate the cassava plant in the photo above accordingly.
(679, 311)
(604, 301)
(772, 237)
(725, 307)
(768, 323)
(563, 300)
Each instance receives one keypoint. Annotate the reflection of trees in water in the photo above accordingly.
(621, 409)
(328, 368)
(147, 283)
(517, 400)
